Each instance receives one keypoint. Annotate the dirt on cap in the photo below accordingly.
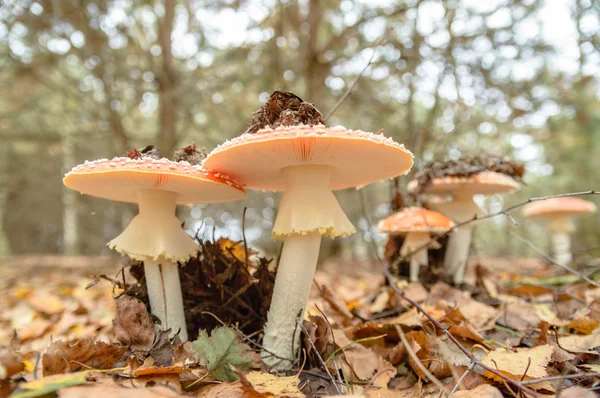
(149, 151)
(190, 154)
(468, 165)
(284, 109)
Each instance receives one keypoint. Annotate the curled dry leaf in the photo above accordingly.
(363, 361)
(584, 324)
(482, 391)
(62, 357)
(132, 325)
(150, 368)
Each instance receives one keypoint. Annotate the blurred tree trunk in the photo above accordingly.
(4, 175)
(168, 81)
(69, 199)
(313, 72)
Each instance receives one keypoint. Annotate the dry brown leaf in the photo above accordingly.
(94, 391)
(48, 304)
(335, 302)
(428, 352)
(581, 344)
(149, 368)
(460, 326)
(254, 385)
(379, 384)
(577, 392)
(132, 325)
(63, 357)
(35, 329)
(517, 365)
(10, 363)
(482, 391)
(363, 361)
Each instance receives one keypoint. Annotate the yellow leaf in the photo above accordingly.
(582, 344)
(279, 386)
(37, 388)
(29, 366)
(584, 325)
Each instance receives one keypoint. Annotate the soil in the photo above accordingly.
(469, 165)
(284, 109)
(190, 154)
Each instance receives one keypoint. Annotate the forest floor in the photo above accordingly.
(518, 327)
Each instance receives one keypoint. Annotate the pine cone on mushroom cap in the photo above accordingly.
(190, 154)
(284, 109)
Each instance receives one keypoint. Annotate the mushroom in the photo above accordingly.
(461, 209)
(155, 235)
(307, 163)
(418, 224)
(559, 214)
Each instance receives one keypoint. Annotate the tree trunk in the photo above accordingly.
(4, 173)
(168, 81)
(69, 200)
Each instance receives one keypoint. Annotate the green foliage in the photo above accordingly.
(219, 351)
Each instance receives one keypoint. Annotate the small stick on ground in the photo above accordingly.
(459, 382)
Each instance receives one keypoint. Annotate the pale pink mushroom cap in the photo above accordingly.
(121, 178)
(484, 183)
(356, 157)
(415, 219)
(559, 207)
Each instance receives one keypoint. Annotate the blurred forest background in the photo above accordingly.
(83, 79)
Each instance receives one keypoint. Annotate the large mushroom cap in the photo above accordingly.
(356, 158)
(559, 207)
(415, 219)
(121, 178)
(485, 183)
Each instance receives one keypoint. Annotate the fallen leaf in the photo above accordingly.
(363, 361)
(335, 302)
(584, 325)
(149, 367)
(221, 350)
(482, 391)
(577, 392)
(62, 357)
(581, 344)
(10, 363)
(460, 326)
(117, 392)
(48, 304)
(428, 352)
(132, 325)
(379, 383)
(524, 364)
(35, 329)
(46, 385)
(255, 385)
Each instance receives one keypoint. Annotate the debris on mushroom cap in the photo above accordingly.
(356, 157)
(284, 109)
(565, 207)
(149, 151)
(415, 219)
(486, 182)
(190, 154)
(467, 166)
(121, 177)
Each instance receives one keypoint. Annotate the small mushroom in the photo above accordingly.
(559, 214)
(155, 235)
(307, 163)
(462, 208)
(417, 224)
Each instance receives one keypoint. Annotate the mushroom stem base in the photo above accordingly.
(164, 292)
(561, 246)
(412, 242)
(290, 296)
(457, 253)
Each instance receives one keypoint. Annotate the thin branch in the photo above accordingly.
(562, 377)
(360, 75)
(553, 261)
(491, 215)
(459, 382)
(418, 362)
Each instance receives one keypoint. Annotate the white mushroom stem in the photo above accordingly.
(462, 208)
(155, 237)
(561, 227)
(164, 292)
(307, 210)
(412, 242)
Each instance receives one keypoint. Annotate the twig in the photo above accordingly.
(445, 329)
(418, 362)
(459, 382)
(553, 261)
(244, 234)
(562, 377)
(491, 215)
(360, 75)
(312, 344)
